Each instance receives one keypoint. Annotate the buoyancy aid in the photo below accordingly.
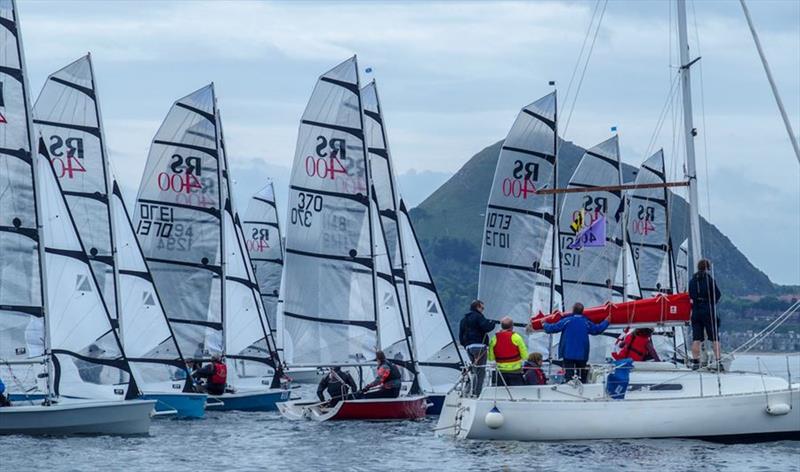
(220, 375)
(505, 351)
(634, 347)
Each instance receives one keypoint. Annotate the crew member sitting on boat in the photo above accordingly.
(216, 374)
(3, 400)
(638, 346)
(507, 349)
(339, 384)
(532, 370)
(573, 349)
(388, 380)
(705, 324)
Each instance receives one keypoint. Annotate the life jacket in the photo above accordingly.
(634, 347)
(505, 351)
(220, 375)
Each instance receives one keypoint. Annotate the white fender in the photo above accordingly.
(494, 419)
(779, 409)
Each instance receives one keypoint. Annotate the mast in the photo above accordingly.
(556, 236)
(222, 205)
(33, 143)
(624, 225)
(695, 247)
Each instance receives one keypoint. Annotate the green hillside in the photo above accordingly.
(449, 224)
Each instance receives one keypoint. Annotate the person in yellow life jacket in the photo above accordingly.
(508, 350)
(216, 374)
(638, 346)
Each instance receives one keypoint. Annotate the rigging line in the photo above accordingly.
(663, 115)
(585, 67)
(580, 56)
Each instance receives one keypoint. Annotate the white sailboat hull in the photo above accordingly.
(739, 407)
(71, 417)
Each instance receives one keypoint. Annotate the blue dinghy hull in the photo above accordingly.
(258, 400)
(187, 405)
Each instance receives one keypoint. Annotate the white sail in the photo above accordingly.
(435, 351)
(250, 349)
(178, 222)
(518, 221)
(588, 274)
(68, 117)
(682, 273)
(328, 308)
(263, 239)
(648, 228)
(71, 323)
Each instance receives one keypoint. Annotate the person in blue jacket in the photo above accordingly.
(573, 349)
(3, 400)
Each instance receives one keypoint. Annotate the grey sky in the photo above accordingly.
(452, 78)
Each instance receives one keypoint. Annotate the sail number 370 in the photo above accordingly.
(307, 205)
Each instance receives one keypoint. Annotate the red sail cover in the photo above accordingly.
(661, 309)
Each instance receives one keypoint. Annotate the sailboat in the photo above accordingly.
(262, 230)
(661, 399)
(339, 300)
(57, 344)
(438, 359)
(194, 246)
(67, 114)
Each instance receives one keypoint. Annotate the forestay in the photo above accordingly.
(178, 222)
(648, 228)
(328, 309)
(68, 117)
(263, 233)
(588, 274)
(518, 221)
(73, 322)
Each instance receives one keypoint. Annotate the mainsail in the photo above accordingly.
(435, 349)
(263, 232)
(329, 308)
(68, 118)
(648, 228)
(682, 273)
(518, 221)
(588, 274)
(50, 301)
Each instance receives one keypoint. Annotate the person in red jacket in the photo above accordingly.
(638, 346)
(217, 374)
(388, 380)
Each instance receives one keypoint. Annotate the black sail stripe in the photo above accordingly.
(210, 151)
(209, 116)
(605, 159)
(29, 310)
(360, 198)
(209, 324)
(93, 130)
(364, 261)
(263, 223)
(9, 25)
(80, 88)
(547, 157)
(197, 265)
(211, 211)
(15, 73)
(91, 195)
(371, 325)
(21, 154)
(27, 232)
(544, 216)
(358, 133)
(657, 201)
(341, 83)
(543, 272)
(375, 116)
(547, 121)
(268, 202)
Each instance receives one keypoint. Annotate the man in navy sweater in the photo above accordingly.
(473, 334)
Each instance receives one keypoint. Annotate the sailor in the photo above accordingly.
(388, 380)
(638, 346)
(473, 334)
(339, 384)
(705, 324)
(532, 370)
(3, 400)
(573, 349)
(507, 348)
(217, 374)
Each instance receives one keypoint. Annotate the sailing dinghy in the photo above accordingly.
(67, 115)
(438, 359)
(57, 344)
(194, 246)
(660, 399)
(339, 298)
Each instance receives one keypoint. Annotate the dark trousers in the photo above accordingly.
(509, 379)
(383, 393)
(477, 355)
(574, 368)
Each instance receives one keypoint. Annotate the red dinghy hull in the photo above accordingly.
(658, 310)
(404, 408)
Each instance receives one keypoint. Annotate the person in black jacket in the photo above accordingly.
(473, 335)
(705, 325)
(339, 384)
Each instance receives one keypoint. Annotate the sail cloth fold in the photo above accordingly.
(588, 274)
(518, 221)
(68, 117)
(648, 228)
(328, 308)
